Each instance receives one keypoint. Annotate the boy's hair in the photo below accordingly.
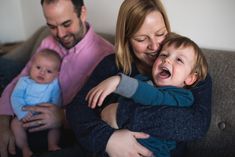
(201, 65)
(52, 54)
(76, 3)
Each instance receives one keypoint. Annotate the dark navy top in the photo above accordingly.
(165, 122)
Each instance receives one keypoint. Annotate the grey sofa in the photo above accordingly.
(220, 139)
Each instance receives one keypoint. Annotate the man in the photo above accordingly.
(81, 49)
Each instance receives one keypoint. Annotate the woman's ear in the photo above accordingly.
(191, 79)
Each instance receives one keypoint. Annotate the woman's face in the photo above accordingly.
(147, 40)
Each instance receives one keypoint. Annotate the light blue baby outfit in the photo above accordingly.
(27, 92)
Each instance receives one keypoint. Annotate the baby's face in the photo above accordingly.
(173, 67)
(43, 70)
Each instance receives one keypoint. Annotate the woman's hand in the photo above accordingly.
(123, 143)
(97, 94)
(49, 116)
(7, 140)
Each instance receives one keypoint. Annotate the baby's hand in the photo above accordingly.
(97, 94)
(27, 117)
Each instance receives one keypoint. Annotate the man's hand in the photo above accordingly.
(49, 116)
(7, 140)
(123, 143)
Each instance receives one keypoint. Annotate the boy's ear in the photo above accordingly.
(191, 79)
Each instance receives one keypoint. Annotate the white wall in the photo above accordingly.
(11, 27)
(19, 19)
(32, 15)
(103, 14)
(211, 23)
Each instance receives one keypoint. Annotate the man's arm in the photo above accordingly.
(94, 134)
(90, 130)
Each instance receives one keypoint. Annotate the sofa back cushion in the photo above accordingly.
(220, 139)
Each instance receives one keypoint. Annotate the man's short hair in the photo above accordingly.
(76, 3)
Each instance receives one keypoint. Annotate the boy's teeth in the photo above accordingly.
(153, 54)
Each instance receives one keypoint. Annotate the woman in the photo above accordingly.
(141, 27)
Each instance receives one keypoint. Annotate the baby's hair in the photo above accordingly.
(52, 54)
(200, 66)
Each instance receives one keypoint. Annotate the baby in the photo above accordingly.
(40, 87)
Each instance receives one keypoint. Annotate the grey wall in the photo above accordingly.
(210, 23)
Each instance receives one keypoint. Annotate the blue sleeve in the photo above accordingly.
(17, 98)
(142, 92)
(147, 94)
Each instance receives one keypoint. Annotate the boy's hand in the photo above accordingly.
(97, 94)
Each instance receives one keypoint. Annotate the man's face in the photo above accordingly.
(64, 23)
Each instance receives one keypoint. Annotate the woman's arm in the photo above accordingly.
(94, 134)
(170, 122)
(90, 130)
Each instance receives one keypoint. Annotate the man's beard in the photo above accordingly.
(76, 37)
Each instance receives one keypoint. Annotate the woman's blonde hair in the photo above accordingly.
(131, 16)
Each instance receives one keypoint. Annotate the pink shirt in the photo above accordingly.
(78, 63)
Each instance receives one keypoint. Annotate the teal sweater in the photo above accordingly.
(147, 94)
